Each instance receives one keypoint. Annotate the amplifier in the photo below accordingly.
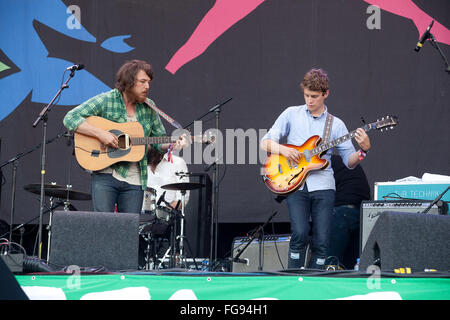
(371, 210)
(274, 251)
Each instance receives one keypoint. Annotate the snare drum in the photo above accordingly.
(163, 213)
(149, 202)
(156, 222)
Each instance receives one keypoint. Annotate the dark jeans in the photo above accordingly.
(107, 191)
(303, 205)
(344, 237)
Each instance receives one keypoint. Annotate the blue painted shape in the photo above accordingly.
(38, 72)
(117, 44)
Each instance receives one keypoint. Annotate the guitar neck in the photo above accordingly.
(328, 145)
(151, 140)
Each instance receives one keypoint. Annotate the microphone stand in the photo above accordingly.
(14, 161)
(436, 46)
(215, 186)
(44, 117)
(257, 233)
(208, 112)
(435, 201)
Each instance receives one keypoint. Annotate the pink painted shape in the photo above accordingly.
(223, 15)
(408, 9)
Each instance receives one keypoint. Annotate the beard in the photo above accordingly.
(137, 96)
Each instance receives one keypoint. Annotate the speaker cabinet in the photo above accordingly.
(94, 239)
(408, 239)
(274, 253)
(371, 210)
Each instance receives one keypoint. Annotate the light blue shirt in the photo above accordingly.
(298, 125)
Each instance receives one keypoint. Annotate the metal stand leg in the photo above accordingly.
(182, 258)
(49, 229)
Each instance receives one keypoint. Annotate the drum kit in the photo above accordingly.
(157, 220)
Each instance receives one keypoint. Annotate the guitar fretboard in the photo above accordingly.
(328, 145)
(151, 140)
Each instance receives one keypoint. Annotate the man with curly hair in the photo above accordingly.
(123, 183)
(312, 205)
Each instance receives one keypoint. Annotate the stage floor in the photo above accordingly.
(180, 284)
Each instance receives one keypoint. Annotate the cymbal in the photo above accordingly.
(56, 191)
(183, 186)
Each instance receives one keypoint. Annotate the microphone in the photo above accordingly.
(424, 37)
(75, 67)
(161, 199)
(239, 260)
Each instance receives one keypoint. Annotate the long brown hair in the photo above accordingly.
(127, 74)
(154, 157)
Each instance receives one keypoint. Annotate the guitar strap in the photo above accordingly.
(164, 115)
(327, 128)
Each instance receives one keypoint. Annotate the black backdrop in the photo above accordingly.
(259, 62)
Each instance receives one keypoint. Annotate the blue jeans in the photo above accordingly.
(344, 236)
(303, 205)
(107, 191)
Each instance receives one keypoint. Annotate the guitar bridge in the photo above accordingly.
(95, 153)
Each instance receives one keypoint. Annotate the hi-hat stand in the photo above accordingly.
(182, 187)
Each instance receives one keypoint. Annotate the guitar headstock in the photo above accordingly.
(386, 123)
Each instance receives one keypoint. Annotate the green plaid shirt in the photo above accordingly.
(109, 105)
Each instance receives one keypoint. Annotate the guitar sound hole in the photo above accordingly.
(124, 141)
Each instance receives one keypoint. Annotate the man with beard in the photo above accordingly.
(122, 183)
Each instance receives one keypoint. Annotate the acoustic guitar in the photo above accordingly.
(93, 155)
(283, 177)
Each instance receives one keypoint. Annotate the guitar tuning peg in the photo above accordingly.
(381, 130)
(392, 127)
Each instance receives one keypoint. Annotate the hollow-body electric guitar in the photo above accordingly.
(282, 176)
(93, 155)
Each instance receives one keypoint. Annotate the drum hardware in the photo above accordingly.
(57, 191)
(182, 187)
(64, 195)
(153, 229)
(149, 203)
(153, 245)
(14, 161)
(155, 222)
